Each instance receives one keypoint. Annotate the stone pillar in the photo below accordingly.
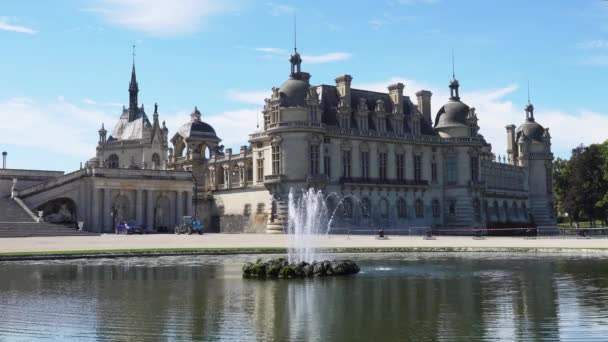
(108, 224)
(189, 209)
(139, 206)
(179, 207)
(150, 210)
(96, 225)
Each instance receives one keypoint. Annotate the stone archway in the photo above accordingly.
(121, 209)
(162, 214)
(59, 210)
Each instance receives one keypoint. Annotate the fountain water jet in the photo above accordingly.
(308, 219)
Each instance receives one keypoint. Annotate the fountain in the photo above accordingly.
(309, 219)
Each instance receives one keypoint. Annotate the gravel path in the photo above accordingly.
(111, 241)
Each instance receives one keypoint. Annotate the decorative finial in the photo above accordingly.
(528, 91)
(155, 108)
(295, 33)
(133, 54)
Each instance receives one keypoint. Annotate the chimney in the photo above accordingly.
(4, 159)
(395, 92)
(343, 87)
(424, 104)
(512, 150)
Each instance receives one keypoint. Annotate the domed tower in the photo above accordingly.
(533, 152)
(193, 142)
(452, 120)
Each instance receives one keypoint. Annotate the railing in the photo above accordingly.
(51, 183)
(273, 178)
(295, 124)
(381, 181)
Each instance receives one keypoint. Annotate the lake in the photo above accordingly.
(396, 297)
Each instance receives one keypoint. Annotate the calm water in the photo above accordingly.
(414, 297)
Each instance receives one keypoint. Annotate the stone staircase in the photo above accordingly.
(15, 222)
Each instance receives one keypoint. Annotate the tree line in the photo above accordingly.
(580, 185)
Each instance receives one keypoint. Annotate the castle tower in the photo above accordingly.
(534, 153)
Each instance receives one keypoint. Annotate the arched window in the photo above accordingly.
(155, 161)
(452, 208)
(401, 208)
(419, 208)
(113, 161)
(436, 209)
(365, 207)
(384, 208)
(348, 207)
(477, 209)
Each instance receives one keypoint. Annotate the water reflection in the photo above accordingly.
(397, 296)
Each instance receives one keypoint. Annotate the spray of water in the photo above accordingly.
(308, 218)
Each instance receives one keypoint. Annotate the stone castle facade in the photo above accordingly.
(381, 158)
(383, 154)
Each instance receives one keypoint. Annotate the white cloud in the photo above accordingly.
(160, 17)
(271, 50)
(234, 126)
(255, 97)
(58, 126)
(593, 44)
(276, 9)
(97, 103)
(5, 25)
(326, 58)
(595, 60)
(387, 19)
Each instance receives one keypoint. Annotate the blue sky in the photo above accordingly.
(66, 64)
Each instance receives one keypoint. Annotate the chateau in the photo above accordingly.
(382, 159)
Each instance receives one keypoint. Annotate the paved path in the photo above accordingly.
(111, 241)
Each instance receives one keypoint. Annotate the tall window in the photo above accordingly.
(365, 207)
(436, 209)
(266, 120)
(419, 208)
(475, 169)
(113, 161)
(417, 167)
(434, 172)
(365, 164)
(274, 114)
(346, 163)
(450, 169)
(276, 159)
(327, 165)
(260, 167)
(401, 208)
(155, 161)
(348, 207)
(314, 160)
(400, 161)
(548, 180)
(452, 208)
(382, 160)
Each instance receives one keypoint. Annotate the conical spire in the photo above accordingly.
(133, 91)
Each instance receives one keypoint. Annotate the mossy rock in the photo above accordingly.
(287, 272)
